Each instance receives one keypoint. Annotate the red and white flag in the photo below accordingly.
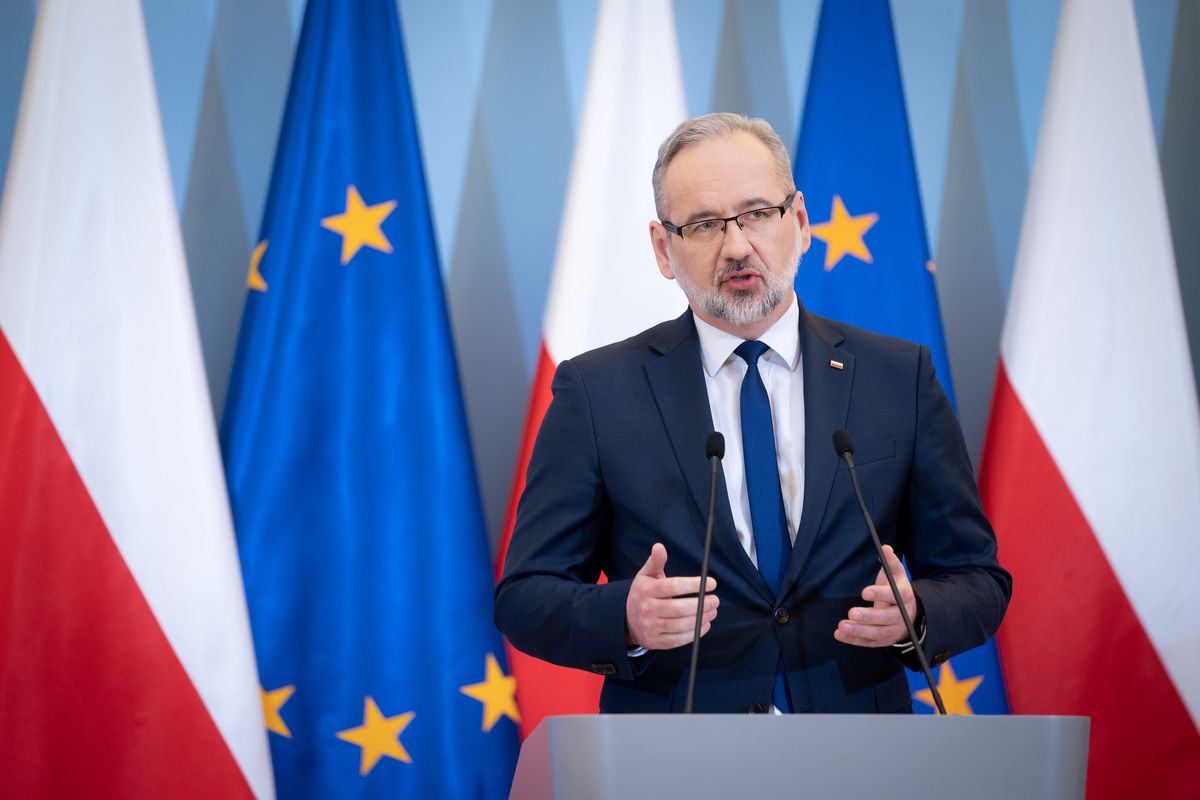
(1091, 469)
(126, 668)
(606, 285)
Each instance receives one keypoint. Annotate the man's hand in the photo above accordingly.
(656, 616)
(881, 625)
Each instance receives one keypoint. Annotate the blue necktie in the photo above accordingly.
(767, 514)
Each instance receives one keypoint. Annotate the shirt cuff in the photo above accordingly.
(906, 647)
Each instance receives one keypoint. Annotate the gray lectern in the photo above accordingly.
(623, 757)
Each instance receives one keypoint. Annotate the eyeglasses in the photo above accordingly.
(710, 231)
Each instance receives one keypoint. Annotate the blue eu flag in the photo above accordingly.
(869, 264)
(359, 525)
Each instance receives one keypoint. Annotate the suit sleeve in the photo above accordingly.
(950, 547)
(548, 603)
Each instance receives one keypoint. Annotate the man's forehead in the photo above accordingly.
(728, 172)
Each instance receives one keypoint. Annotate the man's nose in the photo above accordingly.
(735, 246)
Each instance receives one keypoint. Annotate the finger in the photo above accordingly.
(882, 596)
(669, 641)
(682, 587)
(685, 624)
(651, 609)
(893, 561)
(875, 616)
(660, 630)
(671, 627)
(677, 607)
(893, 564)
(688, 607)
(868, 635)
(656, 562)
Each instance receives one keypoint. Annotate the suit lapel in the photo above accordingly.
(677, 380)
(826, 408)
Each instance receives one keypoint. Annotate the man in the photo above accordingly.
(801, 617)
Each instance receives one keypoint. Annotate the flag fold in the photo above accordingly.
(869, 264)
(1091, 470)
(347, 454)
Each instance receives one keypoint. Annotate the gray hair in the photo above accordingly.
(711, 126)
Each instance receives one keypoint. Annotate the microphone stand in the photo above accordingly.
(716, 449)
(845, 450)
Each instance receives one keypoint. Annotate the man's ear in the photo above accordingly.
(659, 241)
(802, 218)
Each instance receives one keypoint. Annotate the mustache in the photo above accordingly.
(743, 265)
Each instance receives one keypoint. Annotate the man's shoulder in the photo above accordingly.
(860, 341)
(636, 350)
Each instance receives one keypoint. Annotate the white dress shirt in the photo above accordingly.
(781, 374)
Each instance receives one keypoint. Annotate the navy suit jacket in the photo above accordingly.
(619, 464)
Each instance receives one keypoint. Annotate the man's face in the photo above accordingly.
(740, 283)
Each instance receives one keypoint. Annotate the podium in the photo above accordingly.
(621, 757)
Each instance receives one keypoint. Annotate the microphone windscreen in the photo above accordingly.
(714, 446)
(842, 443)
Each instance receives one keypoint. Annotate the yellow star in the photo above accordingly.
(272, 702)
(378, 736)
(497, 692)
(955, 693)
(360, 224)
(843, 234)
(254, 280)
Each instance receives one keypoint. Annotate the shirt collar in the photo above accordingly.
(717, 346)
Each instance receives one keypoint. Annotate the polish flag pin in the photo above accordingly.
(837, 365)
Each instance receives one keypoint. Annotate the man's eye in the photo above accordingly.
(759, 214)
(705, 226)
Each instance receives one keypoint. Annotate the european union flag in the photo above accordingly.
(359, 525)
(869, 264)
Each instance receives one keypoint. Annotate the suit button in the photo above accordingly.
(756, 708)
(782, 616)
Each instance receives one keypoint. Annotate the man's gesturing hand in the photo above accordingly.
(880, 625)
(656, 616)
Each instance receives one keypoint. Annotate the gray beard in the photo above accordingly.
(740, 307)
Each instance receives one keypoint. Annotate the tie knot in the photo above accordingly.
(751, 351)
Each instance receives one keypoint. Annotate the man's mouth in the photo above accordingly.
(742, 279)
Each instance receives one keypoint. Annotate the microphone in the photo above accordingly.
(842, 442)
(714, 451)
(714, 446)
(843, 445)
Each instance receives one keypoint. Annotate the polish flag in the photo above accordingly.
(1091, 469)
(126, 667)
(606, 285)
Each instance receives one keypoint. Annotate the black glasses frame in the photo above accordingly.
(678, 229)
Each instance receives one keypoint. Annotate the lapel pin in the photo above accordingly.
(837, 365)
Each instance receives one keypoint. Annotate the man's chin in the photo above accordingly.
(740, 296)
(742, 307)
